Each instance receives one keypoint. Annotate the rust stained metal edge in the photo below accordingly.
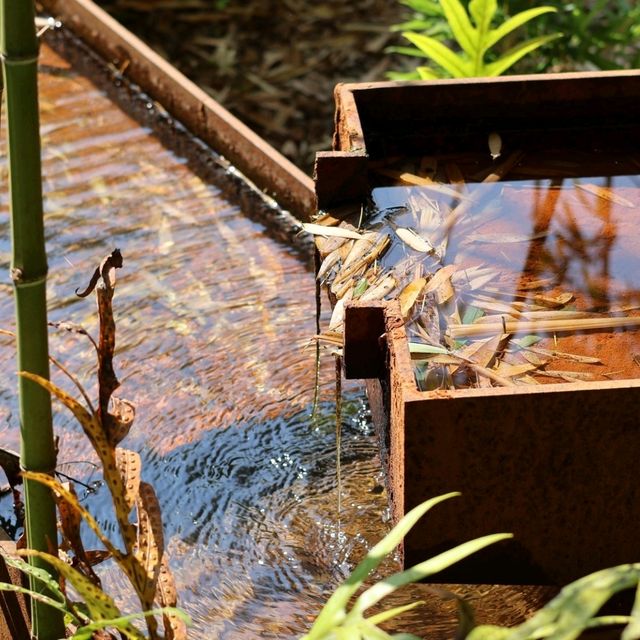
(199, 112)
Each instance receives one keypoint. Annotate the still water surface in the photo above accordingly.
(213, 318)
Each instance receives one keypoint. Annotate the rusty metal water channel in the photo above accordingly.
(213, 313)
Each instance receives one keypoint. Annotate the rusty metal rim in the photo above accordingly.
(350, 133)
(199, 112)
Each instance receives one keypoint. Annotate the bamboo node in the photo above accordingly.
(17, 275)
(17, 61)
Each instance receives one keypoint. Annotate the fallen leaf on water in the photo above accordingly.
(379, 291)
(413, 240)
(565, 356)
(504, 238)
(605, 193)
(409, 295)
(338, 232)
(360, 247)
(439, 278)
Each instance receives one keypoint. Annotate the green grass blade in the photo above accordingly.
(461, 27)
(482, 12)
(450, 61)
(489, 632)
(383, 616)
(41, 575)
(632, 631)
(427, 7)
(334, 610)
(122, 623)
(514, 22)
(422, 570)
(427, 73)
(40, 597)
(513, 55)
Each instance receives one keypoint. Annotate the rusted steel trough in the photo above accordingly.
(551, 463)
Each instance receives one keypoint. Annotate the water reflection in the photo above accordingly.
(556, 260)
(212, 323)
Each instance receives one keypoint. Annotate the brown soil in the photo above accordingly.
(273, 63)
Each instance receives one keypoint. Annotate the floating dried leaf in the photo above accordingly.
(504, 238)
(410, 294)
(605, 194)
(380, 290)
(337, 232)
(413, 240)
(565, 356)
(439, 277)
(361, 247)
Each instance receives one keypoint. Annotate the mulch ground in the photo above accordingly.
(273, 63)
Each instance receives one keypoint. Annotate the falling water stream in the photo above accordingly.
(213, 320)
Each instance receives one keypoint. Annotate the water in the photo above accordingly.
(549, 255)
(213, 320)
(526, 253)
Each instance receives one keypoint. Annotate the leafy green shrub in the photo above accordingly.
(603, 34)
(472, 31)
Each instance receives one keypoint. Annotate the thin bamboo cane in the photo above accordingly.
(19, 48)
(540, 326)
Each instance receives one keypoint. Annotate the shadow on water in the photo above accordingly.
(213, 320)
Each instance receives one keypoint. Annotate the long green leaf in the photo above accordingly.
(41, 575)
(426, 73)
(461, 26)
(122, 623)
(632, 632)
(513, 55)
(383, 616)
(423, 570)
(334, 610)
(451, 62)
(100, 605)
(514, 22)
(482, 12)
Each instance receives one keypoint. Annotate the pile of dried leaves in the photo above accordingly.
(273, 63)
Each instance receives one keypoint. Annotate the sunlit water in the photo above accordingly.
(524, 254)
(213, 320)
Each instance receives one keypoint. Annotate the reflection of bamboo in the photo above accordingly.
(541, 326)
(497, 174)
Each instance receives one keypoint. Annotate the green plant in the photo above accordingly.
(573, 611)
(143, 560)
(336, 621)
(96, 613)
(598, 35)
(473, 33)
(19, 48)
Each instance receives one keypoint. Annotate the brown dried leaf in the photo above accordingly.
(129, 466)
(410, 294)
(70, 521)
(149, 547)
(167, 596)
(119, 420)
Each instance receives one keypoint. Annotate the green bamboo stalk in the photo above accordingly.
(19, 49)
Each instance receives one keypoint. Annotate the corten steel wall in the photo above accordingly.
(554, 464)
